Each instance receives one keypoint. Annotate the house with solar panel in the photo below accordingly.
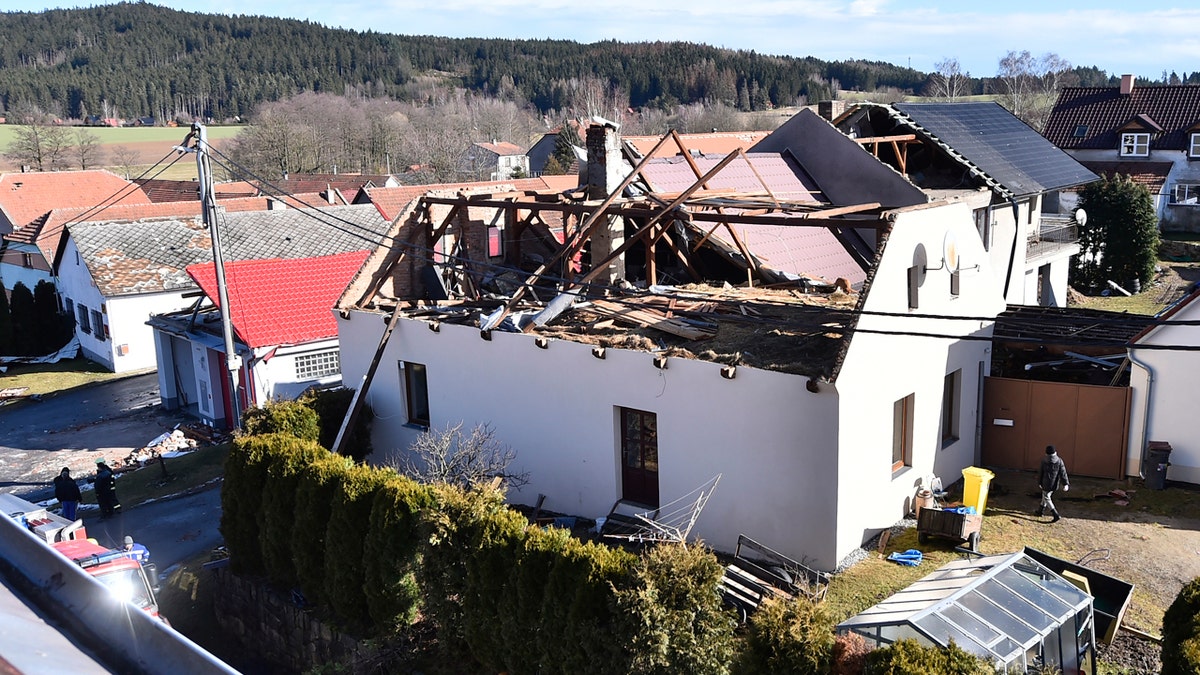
(794, 335)
(1005, 171)
(1151, 134)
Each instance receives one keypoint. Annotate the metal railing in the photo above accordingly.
(1054, 233)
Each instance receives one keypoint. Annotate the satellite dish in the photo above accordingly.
(950, 252)
(1081, 216)
(921, 262)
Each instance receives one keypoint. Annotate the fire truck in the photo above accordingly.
(128, 579)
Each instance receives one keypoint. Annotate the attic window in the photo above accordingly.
(1135, 145)
(1194, 146)
(1081, 130)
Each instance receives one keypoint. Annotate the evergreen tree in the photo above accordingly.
(1119, 241)
(564, 142)
(6, 328)
(21, 309)
(51, 328)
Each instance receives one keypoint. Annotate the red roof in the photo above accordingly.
(503, 148)
(26, 197)
(1151, 174)
(391, 200)
(716, 143)
(282, 302)
(162, 190)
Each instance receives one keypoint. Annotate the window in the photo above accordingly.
(1185, 193)
(85, 323)
(902, 432)
(98, 324)
(951, 391)
(914, 283)
(317, 365)
(639, 456)
(416, 392)
(984, 225)
(69, 308)
(495, 240)
(1194, 149)
(27, 260)
(1081, 130)
(1135, 145)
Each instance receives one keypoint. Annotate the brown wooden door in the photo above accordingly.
(639, 456)
(1005, 422)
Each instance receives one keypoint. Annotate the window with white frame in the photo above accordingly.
(1187, 194)
(317, 365)
(1194, 146)
(1135, 144)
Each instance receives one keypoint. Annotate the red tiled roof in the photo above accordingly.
(48, 230)
(1151, 174)
(391, 201)
(1096, 113)
(26, 197)
(503, 148)
(282, 302)
(161, 190)
(715, 143)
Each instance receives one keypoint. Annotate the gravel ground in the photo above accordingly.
(1137, 656)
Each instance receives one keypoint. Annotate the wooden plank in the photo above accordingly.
(650, 320)
(885, 139)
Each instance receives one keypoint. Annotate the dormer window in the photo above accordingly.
(1194, 146)
(1135, 145)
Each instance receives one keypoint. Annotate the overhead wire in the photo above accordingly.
(116, 197)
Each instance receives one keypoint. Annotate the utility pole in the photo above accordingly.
(208, 211)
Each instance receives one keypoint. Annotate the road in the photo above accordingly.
(38, 438)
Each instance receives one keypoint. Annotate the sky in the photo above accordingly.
(1143, 38)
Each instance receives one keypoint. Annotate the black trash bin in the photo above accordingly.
(1158, 458)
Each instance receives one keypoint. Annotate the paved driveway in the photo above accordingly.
(74, 428)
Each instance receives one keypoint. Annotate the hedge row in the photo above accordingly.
(377, 549)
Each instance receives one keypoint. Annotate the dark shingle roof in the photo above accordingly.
(1098, 112)
(150, 255)
(998, 144)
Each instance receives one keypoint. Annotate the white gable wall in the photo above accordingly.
(881, 369)
(771, 440)
(1163, 402)
(276, 377)
(14, 270)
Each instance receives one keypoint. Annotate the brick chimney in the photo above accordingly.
(1126, 85)
(605, 172)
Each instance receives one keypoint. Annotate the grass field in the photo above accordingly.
(47, 378)
(124, 135)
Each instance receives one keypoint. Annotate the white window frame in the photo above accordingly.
(1186, 194)
(316, 365)
(1194, 147)
(1135, 144)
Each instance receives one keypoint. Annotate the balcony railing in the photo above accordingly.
(1055, 233)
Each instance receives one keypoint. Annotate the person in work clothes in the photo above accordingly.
(67, 493)
(1052, 476)
(135, 551)
(106, 490)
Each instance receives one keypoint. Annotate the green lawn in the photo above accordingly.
(193, 470)
(118, 136)
(45, 378)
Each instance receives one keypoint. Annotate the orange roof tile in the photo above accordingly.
(715, 143)
(503, 148)
(26, 197)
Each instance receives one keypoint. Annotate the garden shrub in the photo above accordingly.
(909, 657)
(349, 522)
(314, 497)
(241, 500)
(391, 551)
(788, 636)
(1181, 632)
(680, 623)
(331, 406)
(288, 457)
(282, 417)
(849, 654)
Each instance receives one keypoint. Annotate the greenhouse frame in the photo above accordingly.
(1008, 609)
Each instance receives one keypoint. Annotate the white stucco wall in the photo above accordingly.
(14, 271)
(1170, 399)
(881, 369)
(771, 440)
(276, 377)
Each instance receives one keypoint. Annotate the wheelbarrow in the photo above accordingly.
(948, 523)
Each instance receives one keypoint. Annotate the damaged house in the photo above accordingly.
(801, 322)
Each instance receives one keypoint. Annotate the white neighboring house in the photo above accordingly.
(286, 336)
(495, 161)
(822, 414)
(1164, 391)
(115, 274)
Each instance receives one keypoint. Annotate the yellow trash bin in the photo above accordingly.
(975, 487)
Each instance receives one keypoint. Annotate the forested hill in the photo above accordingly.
(135, 59)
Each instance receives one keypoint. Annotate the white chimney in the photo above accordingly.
(1126, 85)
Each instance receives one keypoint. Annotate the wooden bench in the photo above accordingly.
(758, 573)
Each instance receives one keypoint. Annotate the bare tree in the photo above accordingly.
(461, 458)
(948, 81)
(39, 142)
(125, 159)
(88, 152)
(1029, 85)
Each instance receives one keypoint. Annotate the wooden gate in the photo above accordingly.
(1087, 424)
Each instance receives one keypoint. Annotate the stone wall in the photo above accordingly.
(278, 631)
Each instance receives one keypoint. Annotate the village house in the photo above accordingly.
(644, 356)
(1009, 175)
(1151, 134)
(117, 272)
(284, 330)
(498, 160)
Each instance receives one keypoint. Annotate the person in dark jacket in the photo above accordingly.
(106, 490)
(1051, 477)
(67, 493)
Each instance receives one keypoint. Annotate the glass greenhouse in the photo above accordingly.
(1008, 609)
